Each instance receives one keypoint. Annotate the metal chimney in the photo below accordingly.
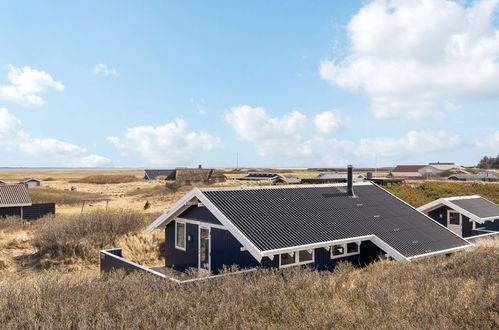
(350, 180)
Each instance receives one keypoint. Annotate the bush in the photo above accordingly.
(104, 179)
(62, 197)
(425, 192)
(83, 235)
(456, 292)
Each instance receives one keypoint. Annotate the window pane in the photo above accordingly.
(286, 259)
(353, 247)
(454, 218)
(180, 234)
(305, 256)
(338, 250)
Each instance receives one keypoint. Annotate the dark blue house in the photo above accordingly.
(283, 226)
(467, 216)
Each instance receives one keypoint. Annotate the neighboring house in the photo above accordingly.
(159, 174)
(3, 182)
(466, 215)
(269, 176)
(475, 177)
(260, 176)
(195, 176)
(445, 166)
(332, 178)
(31, 183)
(15, 201)
(283, 226)
(415, 170)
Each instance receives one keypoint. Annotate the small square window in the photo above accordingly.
(338, 250)
(304, 255)
(352, 247)
(287, 259)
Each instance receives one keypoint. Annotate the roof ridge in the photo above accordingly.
(294, 186)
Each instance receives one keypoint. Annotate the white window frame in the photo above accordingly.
(182, 248)
(460, 218)
(296, 257)
(345, 254)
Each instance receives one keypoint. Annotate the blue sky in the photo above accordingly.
(294, 84)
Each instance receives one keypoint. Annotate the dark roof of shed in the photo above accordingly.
(14, 195)
(153, 174)
(300, 215)
(197, 174)
(479, 206)
(408, 168)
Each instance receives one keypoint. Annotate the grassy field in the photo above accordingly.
(456, 292)
(49, 271)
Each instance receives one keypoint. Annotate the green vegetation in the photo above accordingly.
(60, 197)
(489, 162)
(456, 292)
(82, 236)
(425, 192)
(104, 179)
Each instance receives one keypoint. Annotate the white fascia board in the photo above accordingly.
(252, 249)
(441, 251)
(15, 205)
(431, 205)
(269, 253)
(177, 208)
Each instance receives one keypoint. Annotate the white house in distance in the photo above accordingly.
(445, 166)
(415, 170)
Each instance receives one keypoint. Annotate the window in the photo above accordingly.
(296, 258)
(345, 249)
(352, 248)
(454, 218)
(180, 235)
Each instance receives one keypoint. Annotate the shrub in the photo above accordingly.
(83, 235)
(104, 179)
(62, 197)
(456, 292)
(425, 192)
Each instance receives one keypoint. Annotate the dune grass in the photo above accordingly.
(82, 236)
(428, 191)
(60, 197)
(456, 292)
(106, 179)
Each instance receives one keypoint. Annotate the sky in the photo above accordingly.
(270, 84)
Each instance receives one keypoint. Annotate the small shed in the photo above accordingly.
(31, 183)
(15, 201)
(467, 216)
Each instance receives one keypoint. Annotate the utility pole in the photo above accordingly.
(237, 160)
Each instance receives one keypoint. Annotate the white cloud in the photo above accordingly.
(329, 122)
(490, 142)
(169, 144)
(270, 135)
(285, 139)
(414, 58)
(12, 135)
(50, 147)
(26, 84)
(91, 161)
(103, 69)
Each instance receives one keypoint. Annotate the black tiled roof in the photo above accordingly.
(479, 206)
(288, 217)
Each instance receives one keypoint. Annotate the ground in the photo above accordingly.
(21, 262)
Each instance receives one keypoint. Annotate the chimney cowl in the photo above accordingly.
(350, 180)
